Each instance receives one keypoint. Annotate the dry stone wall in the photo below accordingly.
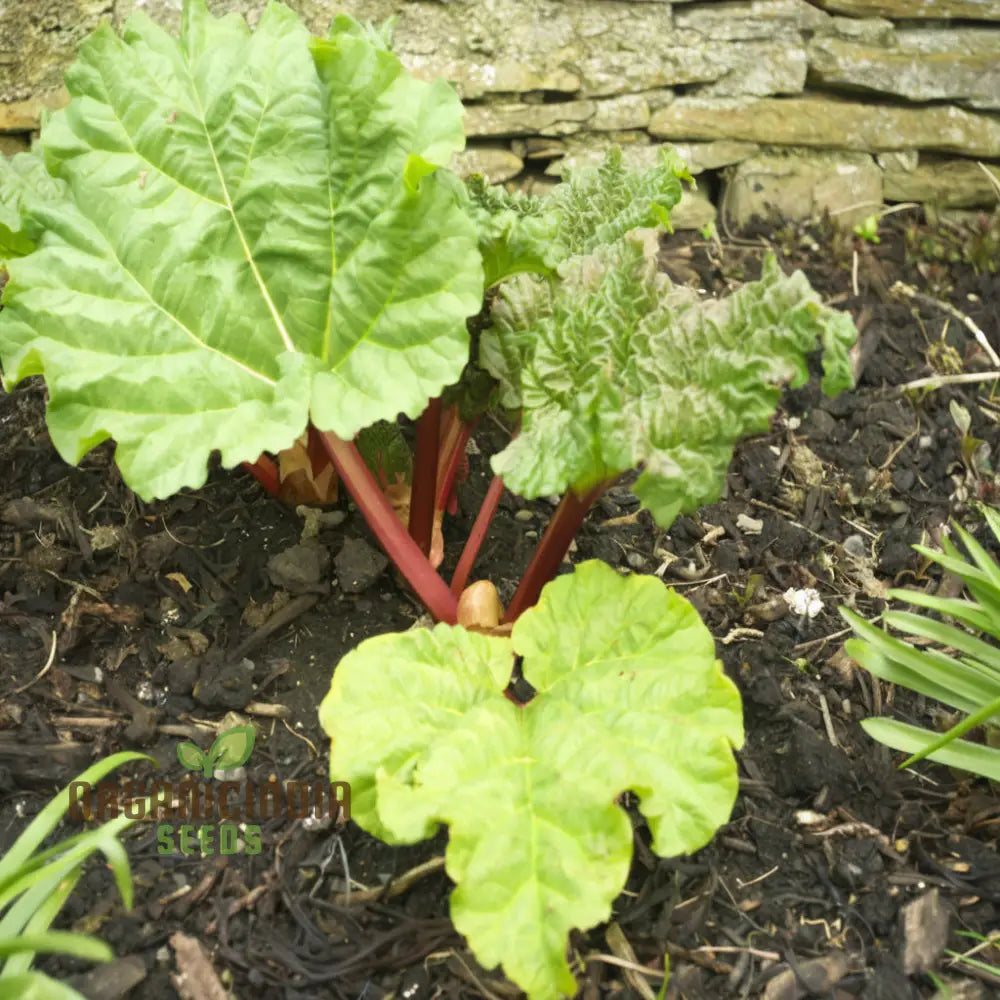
(791, 106)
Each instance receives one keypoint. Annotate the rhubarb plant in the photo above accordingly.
(253, 236)
(628, 697)
(249, 243)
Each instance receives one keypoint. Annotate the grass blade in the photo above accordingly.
(986, 713)
(986, 657)
(36, 986)
(970, 613)
(48, 819)
(926, 671)
(972, 757)
(62, 942)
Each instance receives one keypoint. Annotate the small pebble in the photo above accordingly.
(317, 824)
(749, 525)
(232, 774)
(635, 560)
(855, 546)
(358, 565)
(524, 515)
(182, 675)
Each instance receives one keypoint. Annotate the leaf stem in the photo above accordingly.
(266, 473)
(552, 548)
(454, 441)
(318, 458)
(475, 540)
(399, 546)
(425, 468)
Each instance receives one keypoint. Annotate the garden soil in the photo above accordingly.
(838, 876)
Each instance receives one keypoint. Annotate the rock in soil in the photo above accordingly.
(358, 566)
(301, 569)
(925, 932)
(224, 685)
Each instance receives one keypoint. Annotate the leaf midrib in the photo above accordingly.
(227, 205)
(254, 270)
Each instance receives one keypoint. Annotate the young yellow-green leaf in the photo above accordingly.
(629, 696)
(616, 368)
(231, 748)
(255, 233)
(521, 234)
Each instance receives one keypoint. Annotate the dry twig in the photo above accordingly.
(394, 888)
(42, 672)
(909, 292)
(195, 979)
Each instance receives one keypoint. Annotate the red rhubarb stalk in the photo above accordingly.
(266, 473)
(318, 459)
(425, 467)
(455, 434)
(399, 546)
(552, 548)
(475, 540)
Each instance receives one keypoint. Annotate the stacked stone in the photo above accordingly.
(794, 106)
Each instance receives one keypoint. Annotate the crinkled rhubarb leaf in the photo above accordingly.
(615, 367)
(630, 696)
(599, 205)
(522, 234)
(255, 235)
(517, 233)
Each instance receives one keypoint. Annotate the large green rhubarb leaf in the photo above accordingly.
(629, 696)
(614, 367)
(23, 181)
(255, 234)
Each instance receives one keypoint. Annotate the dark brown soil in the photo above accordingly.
(828, 843)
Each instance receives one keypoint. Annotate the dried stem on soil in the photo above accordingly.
(936, 381)
(394, 888)
(41, 673)
(908, 291)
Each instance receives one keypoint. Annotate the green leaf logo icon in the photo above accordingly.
(190, 756)
(230, 749)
